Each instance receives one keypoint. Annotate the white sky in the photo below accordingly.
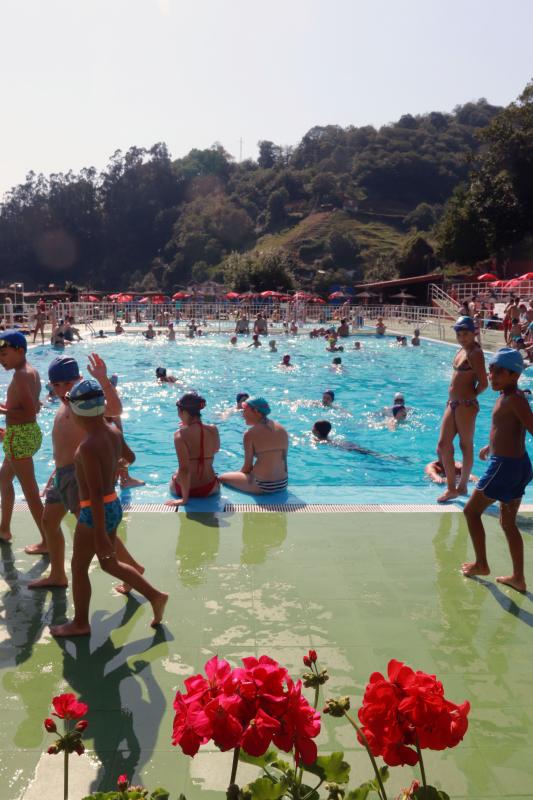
(80, 79)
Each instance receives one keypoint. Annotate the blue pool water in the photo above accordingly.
(365, 386)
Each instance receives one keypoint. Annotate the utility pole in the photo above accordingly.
(240, 149)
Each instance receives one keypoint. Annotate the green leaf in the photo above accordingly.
(430, 793)
(160, 794)
(330, 768)
(361, 793)
(265, 789)
(259, 761)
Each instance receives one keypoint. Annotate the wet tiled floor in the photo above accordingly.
(360, 589)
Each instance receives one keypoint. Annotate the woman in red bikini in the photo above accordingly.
(196, 445)
(469, 379)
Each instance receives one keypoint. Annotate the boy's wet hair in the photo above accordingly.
(322, 427)
(337, 360)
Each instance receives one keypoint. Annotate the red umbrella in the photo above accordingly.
(337, 295)
(248, 295)
(487, 276)
(302, 296)
(512, 283)
(124, 298)
(89, 298)
(285, 298)
(318, 300)
(180, 296)
(232, 296)
(143, 300)
(160, 298)
(497, 283)
(113, 296)
(528, 276)
(270, 293)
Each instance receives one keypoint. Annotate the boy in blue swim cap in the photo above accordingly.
(22, 437)
(509, 470)
(61, 492)
(96, 461)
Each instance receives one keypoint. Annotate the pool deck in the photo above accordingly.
(359, 589)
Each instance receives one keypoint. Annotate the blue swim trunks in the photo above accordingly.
(112, 511)
(506, 478)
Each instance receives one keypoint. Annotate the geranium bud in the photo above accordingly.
(312, 656)
(50, 725)
(81, 725)
(122, 783)
(78, 748)
(52, 751)
(307, 661)
(337, 707)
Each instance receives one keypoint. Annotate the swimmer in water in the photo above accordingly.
(399, 414)
(171, 335)
(328, 398)
(357, 345)
(380, 327)
(233, 340)
(239, 400)
(162, 377)
(336, 365)
(415, 341)
(435, 471)
(321, 430)
(272, 345)
(255, 341)
(333, 347)
(286, 361)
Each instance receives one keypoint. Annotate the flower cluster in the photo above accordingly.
(67, 708)
(249, 707)
(409, 711)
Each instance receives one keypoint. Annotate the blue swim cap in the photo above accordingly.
(507, 358)
(13, 338)
(465, 324)
(87, 399)
(260, 404)
(63, 368)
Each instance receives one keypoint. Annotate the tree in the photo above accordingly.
(416, 257)
(267, 154)
(276, 214)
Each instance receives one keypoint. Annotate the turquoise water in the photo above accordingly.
(364, 387)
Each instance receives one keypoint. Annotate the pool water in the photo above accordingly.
(363, 388)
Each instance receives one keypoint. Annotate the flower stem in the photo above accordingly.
(65, 776)
(354, 725)
(421, 761)
(234, 765)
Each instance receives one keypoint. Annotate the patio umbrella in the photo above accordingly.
(318, 301)
(124, 298)
(337, 295)
(528, 276)
(487, 276)
(302, 296)
(232, 296)
(512, 283)
(160, 298)
(113, 296)
(270, 293)
(497, 283)
(89, 298)
(285, 298)
(180, 295)
(144, 300)
(402, 296)
(366, 294)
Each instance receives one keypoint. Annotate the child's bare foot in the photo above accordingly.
(158, 606)
(70, 629)
(125, 588)
(51, 582)
(5, 536)
(36, 549)
(469, 569)
(515, 583)
(449, 494)
(131, 483)
(462, 491)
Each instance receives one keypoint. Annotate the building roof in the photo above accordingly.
(433, 277)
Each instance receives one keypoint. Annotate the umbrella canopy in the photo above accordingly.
(528, 276)
(487, 276)
(248, 295)
(285, 298)
(512, 283)
(302, 296)
(159, 298)
(144, 300)
(89, 298)
(337, 295)
(366, 294)
(270, 293)
(232, 296)
(318, 301)
(113, 296)
(497, 283)
(124, 298)
(403, 296)
(180, 295)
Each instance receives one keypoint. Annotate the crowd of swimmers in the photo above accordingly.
(91, 455)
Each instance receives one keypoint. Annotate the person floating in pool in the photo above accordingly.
(509, 470)
(468, 381)
(272, 346)
(22, 436)
(265, 452)
(286, 361)
(321, 430)
(415, 341)
(357, 345)
(333, 347)
(96, 461)
(149, 333)
(196, 446)
(336, 365)
(398, 415)
(255, 341)
(162, 376)
(435, 471)
(233, 341)
(239, 400)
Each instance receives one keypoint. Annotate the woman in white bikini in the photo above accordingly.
(469, 379)
(265, 452)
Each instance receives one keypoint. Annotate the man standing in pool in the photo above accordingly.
(469, 379)
(509, 470)
(96, 461)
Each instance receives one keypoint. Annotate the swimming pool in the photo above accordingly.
(363, 388)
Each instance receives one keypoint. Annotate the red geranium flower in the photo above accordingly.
(122, 783)
(300, 724)
(67, 707)
(258, 735)
(191, 727)
(222, 713)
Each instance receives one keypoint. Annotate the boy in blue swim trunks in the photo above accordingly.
(509, 470)
(96, 464)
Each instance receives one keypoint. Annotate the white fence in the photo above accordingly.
(483, 291)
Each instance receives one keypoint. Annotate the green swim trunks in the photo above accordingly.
(22, 441)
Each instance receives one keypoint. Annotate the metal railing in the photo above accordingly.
(443, 300)
(496, 294)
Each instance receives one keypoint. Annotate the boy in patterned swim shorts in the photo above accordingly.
(22, 436)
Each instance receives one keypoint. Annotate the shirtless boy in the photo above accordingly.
(509, 470)
(22, 437)
(61, 496)
(96, 462)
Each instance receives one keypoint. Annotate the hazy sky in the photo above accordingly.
(82, 78)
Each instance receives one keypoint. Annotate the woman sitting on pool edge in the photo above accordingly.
(266, 441)
(196, 445)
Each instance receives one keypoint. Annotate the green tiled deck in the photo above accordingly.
(360, 589)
